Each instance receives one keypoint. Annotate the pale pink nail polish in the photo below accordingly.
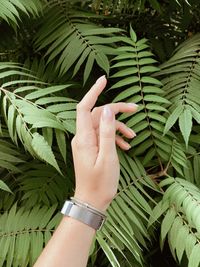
(132, 132)
(133, 105)
(128, 146)
(100, 79)
(107, 114)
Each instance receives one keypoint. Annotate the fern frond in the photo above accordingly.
(4, 187)
(134, 65)
(28, 107)
(41, 184)
(74, 40)
(43, 72)
(10, 10)
(9, 157)
(181, 86)
(181, 220)
(24, 234)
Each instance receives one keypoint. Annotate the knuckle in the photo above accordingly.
(81, 143)
(73, 142)
(95, 109)
(108, 133)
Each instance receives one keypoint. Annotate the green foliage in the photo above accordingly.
(135, 64)
(120, 6)
(76, 40)
(181, 84)
(22, 108)
(181, 221)
(10, 10)
(51, 52)
(24, 232)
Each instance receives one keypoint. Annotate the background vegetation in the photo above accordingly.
(51, 52)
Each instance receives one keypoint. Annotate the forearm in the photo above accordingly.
(97, 172)
(69, 246)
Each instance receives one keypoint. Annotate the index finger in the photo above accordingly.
(83, 117)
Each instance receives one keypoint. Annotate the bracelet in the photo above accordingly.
(84, 213)
(84, 204)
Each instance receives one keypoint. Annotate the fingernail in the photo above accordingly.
(107, 114)
(132, 132)
(133, 105)
(128, 146)
(98, 81)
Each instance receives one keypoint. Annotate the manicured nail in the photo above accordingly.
(128, 146)
(107, 114)
(98, 81)
(133, 105)
(132, 132)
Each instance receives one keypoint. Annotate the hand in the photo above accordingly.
(94, 148)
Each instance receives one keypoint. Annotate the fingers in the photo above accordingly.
(123, 107)
(125, 130)
(107, 129)
(84, 122)
(122, 143)
(115, 107)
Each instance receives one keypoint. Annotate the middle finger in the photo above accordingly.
(115, 107)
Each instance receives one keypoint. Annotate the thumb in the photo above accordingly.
(107, 129)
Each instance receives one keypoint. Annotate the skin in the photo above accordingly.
(97, 175)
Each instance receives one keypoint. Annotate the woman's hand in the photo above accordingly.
(94, 148)
(97, 174)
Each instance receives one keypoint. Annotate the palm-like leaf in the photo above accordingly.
(181, 85)
(74, 40)
(136, 65)
(9, 157)
(181, 220)
(10, 10)
(24, 101)
(41, 184)
(24, 232)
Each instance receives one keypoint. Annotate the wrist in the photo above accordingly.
(97, 203)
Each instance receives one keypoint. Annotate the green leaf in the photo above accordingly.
(89, 65)
(126, 81)
(181, 241)
(185, 124)
(107, 250)
(43, 150)
(103, 62)
(194, 259)
(49, 90)
(133, 34)
(60, 137)
(167, 222)
(4, 187)
(155, 98)
(195, 114)
(173, 118)
(191, 241)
